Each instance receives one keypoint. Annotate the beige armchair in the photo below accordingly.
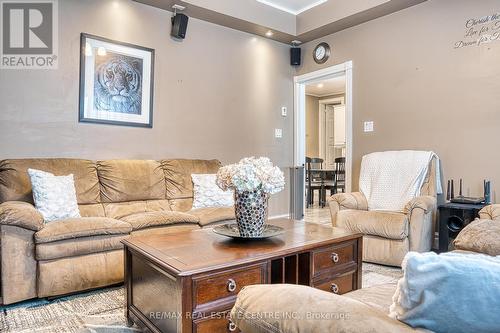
(388, 236)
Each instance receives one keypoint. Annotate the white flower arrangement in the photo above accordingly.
(251, 174)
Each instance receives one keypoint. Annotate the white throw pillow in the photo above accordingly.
(208, 194)
(54, 196)
(450, 292)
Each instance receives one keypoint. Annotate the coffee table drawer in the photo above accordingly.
(216, 286)
(333, 257)
(212, 325)
(340, 285)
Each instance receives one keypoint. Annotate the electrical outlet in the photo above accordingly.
(368, 126)
(278, 133)
(284, 111)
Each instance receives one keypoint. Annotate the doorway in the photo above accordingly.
(332, 127)
(330, 92)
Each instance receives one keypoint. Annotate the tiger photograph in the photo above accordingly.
(118, 84)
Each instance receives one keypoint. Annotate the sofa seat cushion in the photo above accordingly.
(153, 219)
(213, 214)
(117, 210)
(378, 297)
(389, 225)
(68, 248)
(81, 227)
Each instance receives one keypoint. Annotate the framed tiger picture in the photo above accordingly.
(116, 82)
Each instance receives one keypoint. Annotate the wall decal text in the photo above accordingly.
(480, 31)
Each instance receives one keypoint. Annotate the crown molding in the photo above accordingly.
(232, 22)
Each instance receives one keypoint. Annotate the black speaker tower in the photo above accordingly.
(179, 26)
(295, 56)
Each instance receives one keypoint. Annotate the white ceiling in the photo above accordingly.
(294, 7)
(328, 87)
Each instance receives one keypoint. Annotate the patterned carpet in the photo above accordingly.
(102, 311)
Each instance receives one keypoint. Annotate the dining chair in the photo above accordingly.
(339, 175)
(313, 179)
(328, 183)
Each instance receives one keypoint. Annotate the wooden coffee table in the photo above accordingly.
(188, 281)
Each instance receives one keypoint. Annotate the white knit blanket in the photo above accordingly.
(450, 292)
(390, 179)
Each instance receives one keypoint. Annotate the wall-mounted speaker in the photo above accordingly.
(295, 56)
(179, 26)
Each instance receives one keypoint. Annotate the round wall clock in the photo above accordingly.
(321, 53)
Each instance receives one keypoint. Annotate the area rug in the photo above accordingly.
(102, 311)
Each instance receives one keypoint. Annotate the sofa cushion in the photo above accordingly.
(15, 184)
(80, 246)
(92, 210)
(163, 230)
(299, 309)
(213, 215)
(379, 296)
(154, 219)
(118, 210)
(384, 224)
(131, 180)
(178, 179)
(81, 227)
(481, 236)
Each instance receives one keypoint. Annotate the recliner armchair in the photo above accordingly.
(388, 236)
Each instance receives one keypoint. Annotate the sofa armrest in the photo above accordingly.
(341, 201)
(425, 203)
(491, 212)
(20, 214)
(421, 213)
(296, 309)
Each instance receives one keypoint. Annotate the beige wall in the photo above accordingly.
(218, 94)
(312, 126)
(420, 91)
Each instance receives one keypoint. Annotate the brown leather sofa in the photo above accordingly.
(116, 198)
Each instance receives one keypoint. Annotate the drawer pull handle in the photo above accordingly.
(232, 327)
(334, 288)
(335, 257)
(231, 285)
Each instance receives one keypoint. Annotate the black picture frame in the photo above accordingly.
(84, 37)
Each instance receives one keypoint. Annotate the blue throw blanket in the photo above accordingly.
(451, 292)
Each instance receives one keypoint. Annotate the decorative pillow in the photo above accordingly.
(54, 196)
(450, 292)
(208, 194)
(480, 236)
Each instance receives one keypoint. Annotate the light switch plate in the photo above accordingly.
(368, 126)
(284, 111)
(278, 133)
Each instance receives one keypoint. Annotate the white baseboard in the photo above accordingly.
(283, 216)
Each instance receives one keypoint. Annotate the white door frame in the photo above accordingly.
(299, 138)
(321, 122)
